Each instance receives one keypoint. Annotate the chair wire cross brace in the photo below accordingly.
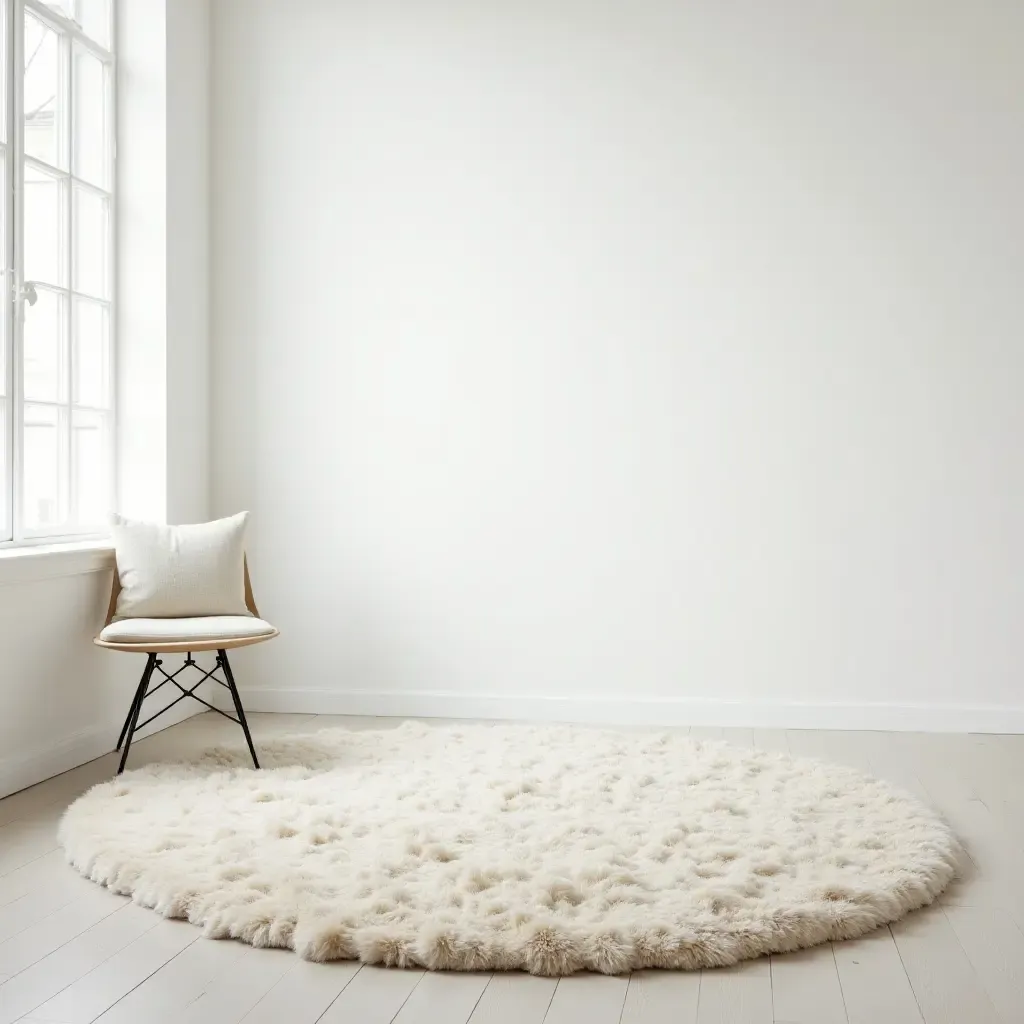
(154, 664)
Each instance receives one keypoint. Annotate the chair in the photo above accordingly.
(154, 637)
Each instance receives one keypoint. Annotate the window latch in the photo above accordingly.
(26, 292)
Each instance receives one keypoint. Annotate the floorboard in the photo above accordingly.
(33, 986)
(26, 910)
(26, 948)
(305, 994)
(662, 997)
(165, 994)
(514, 998)
(47, 872)
(876, 989)
(706, 732)
(451, 997)
(94, 992)
(231, 996)
(995, 947)
(28, 838)
(829, 745)
(738, 737)
(736, 995)
(806, 987)
(374, 996)
(947, 988)
(587, 999)
(771, 740)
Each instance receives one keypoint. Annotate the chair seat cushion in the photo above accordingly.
(203, 628)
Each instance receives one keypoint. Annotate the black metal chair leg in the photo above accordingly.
(127, 721)
(133, 717)
(222, 659)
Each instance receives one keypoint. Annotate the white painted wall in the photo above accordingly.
(188, 264)
(62, 701)
(608, 352)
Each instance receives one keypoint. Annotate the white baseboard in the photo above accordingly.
(641, 710)
(52, 757)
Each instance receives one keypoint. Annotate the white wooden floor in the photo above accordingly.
(72, 953)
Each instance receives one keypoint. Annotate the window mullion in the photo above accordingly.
(15, 87)
(65, 26)
(7, 370)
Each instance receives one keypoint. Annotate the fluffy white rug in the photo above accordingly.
(550, 849)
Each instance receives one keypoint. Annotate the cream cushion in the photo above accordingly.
(201, 628)
(179, 571)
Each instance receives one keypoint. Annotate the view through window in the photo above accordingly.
(56, 389)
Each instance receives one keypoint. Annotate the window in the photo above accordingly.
(56, 268)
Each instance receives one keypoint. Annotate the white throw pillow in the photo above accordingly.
(178, 571)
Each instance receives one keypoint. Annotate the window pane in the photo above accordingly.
(90, 461)
(91, 229)
(44, 348)
(45, 227)
(3, 208)
(94, 17)
(43, 110)
(91, 360)
(4, 29)
(45, 501)
(89, 145)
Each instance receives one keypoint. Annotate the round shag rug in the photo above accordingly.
(546, 849)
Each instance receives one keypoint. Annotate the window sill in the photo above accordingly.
(48, 561)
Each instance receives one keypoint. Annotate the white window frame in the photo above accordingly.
(14, 160)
